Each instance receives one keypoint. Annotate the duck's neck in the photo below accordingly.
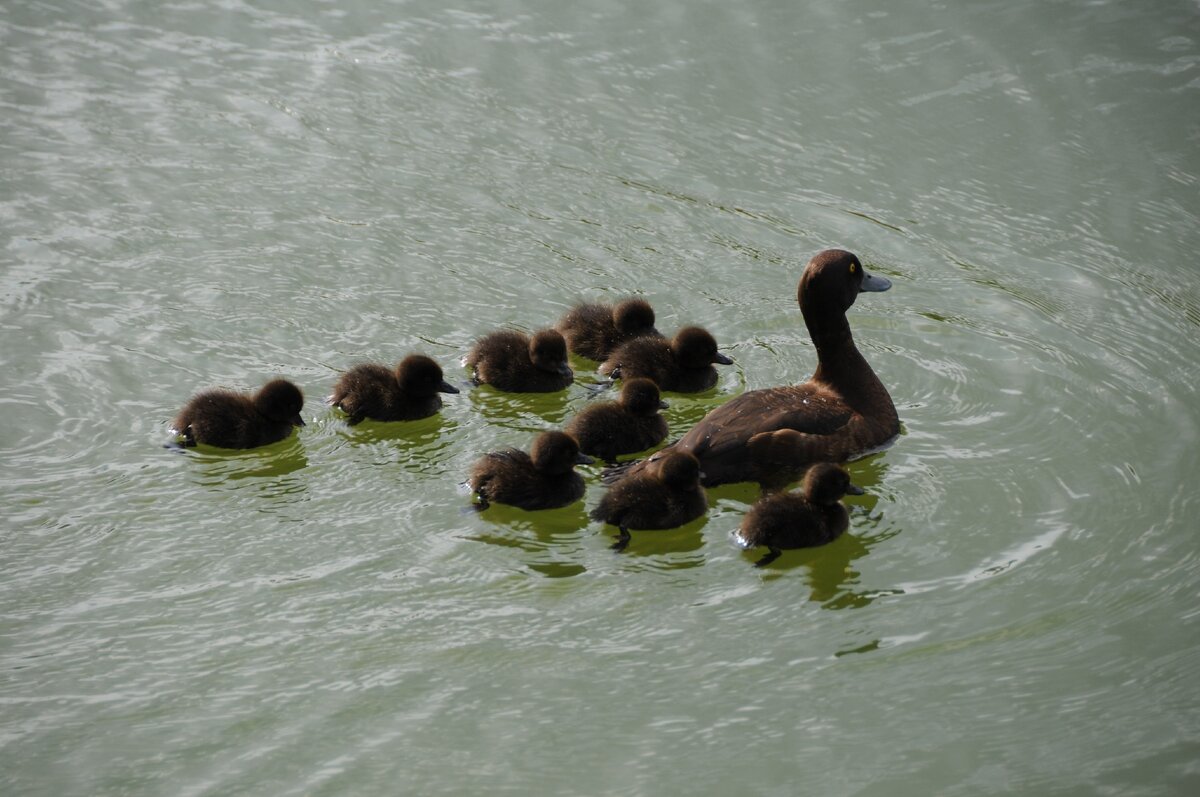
(839, 362)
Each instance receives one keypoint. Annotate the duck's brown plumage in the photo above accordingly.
(772, 435)
(226, 419)
(594, 330)
(520, 363)
(630, 424)
(543, 478)
(406, 393)
(683, 364)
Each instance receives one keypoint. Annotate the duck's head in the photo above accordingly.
(548, 352)
(696, 348)
(680, 470)
(826, 483)
(634, 317)
(421, 376)
(835, 277)
(641, 396)
(280, 401)
(556, 452)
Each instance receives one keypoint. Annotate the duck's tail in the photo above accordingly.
(614, 473)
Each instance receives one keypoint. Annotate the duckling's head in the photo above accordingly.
(548, 352)
(836, 277)
(280, 401)
(696, 348)
(680, 470)
(634, 317)
(421, 376)
(556, 452)
(826, 483)
(640, 396)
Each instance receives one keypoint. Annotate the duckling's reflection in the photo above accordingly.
(547, 536)
(665, 549)
(519, 410)
(266, 471)
(420, 446)
(218, 466)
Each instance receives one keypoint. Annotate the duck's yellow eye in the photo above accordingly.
(853, 268)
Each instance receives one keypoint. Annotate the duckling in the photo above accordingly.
(681, 365)
(517, 363)
(226, 419)
(632, 423)
(594, 330)
(662, 497)
(805, 519)
(405, 394)
(544, 478)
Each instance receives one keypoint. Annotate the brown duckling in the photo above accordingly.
(544, 478)
(683, 364)
(662, 497)
(630, 424)
(594, 330)
(519, 363)
(226, 419)
(807, 518)
(407, 393)
(843, 411)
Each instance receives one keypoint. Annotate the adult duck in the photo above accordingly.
(843, 411)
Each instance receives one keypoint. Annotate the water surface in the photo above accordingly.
(197, 195)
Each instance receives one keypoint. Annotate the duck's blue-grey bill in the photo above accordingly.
(874, 282)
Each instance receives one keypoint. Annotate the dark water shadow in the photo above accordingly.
(546, 538)
(587, 376)
(216, 466)
(523, 411)
(420, 447)
(663, 549)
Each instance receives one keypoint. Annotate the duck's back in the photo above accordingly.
(655, 359)
(501, 359)
(367, 391)
(788, 520)
(644, 502)
(509, 477)
(630, 502)
(227, 420)
(609, 430)
(771, 435)
(496, 348)
(589, 330)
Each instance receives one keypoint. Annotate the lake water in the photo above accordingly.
(212, 194)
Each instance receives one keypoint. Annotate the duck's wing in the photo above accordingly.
(806, 408)
(721, 440)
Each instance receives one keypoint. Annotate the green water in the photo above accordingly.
(197, 195)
